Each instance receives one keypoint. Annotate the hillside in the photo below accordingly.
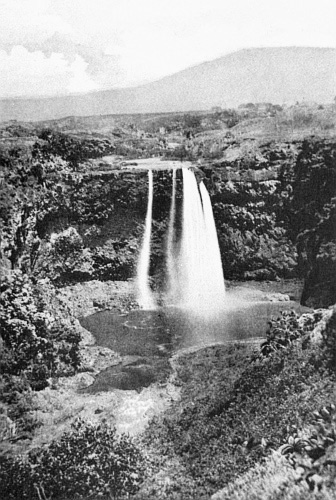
(277, 75)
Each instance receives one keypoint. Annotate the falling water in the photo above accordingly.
(193, 252)
(194, 268)
(171, 254)
(145, 296)
(202, 285)
(214, 263)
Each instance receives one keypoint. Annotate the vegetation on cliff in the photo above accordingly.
(42, 193)
(36, 345)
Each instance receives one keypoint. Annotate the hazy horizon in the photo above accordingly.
(69, 94)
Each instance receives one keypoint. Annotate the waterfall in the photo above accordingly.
(171, 254)
(145, 296)
(214, 263)
(202, 286)
(193, 251)
(194, 267)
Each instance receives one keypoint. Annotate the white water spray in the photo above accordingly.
(145, 296)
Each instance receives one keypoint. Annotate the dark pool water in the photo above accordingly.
(148, 339)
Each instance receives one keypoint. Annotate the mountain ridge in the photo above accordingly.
(282, 75)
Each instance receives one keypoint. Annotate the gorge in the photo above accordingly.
(115, 318)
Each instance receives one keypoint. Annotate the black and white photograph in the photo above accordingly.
(167, 250)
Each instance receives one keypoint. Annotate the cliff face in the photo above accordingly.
(313, 220)
(283, 223)
(95, 230)
(273, 206)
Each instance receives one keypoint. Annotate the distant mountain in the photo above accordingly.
(277, 75)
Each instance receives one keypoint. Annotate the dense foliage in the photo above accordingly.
(314, 456)
(36, 346)
(66, 260)
(72, 149)
(289, 328)
(304, 467)
(227, 422)
(89, 461)
(27, 192)
(41, 193)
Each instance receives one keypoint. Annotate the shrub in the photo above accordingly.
(115, 260)
(329, 343)
(15, 479)
(91, 460)
(66, 260)
(287, 328)
(70, 148)
(314, 457)
(35, 344)
(29, 192)
(66, 243)
(23, 326)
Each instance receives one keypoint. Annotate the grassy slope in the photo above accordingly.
(235, 409)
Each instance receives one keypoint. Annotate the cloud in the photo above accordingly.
(89, 44)
(22, 21)
(32, 73)
(104, 69)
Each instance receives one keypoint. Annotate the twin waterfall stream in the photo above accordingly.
(194, 269)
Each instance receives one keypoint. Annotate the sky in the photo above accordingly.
(57, 47)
